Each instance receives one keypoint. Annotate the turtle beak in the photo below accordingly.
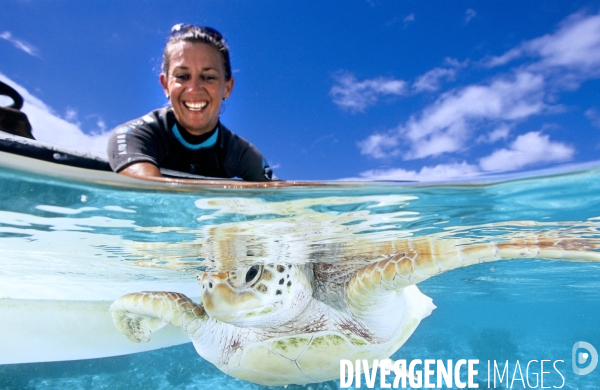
(224, 303)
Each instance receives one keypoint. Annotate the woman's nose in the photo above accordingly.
(196, 84)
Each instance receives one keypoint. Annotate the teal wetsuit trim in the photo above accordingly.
(209, 143)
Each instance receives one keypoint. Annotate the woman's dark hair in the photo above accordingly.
(197, 34)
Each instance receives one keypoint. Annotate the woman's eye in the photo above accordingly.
(181, 76)
(251, 274)
(209, 78)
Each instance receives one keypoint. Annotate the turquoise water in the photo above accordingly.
(88, 239)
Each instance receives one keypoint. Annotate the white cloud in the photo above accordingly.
(486, 112)
(574, 47)
(430, 81)
(500, 133)
(432, 173)
(447, 125)
(470, 14)
(503, 59)
(19, 44)
(409, 18)
(594, 116)
(101, 125)
(327, 138)
(71, 116)
(528, 149)
(354, 95)
(50, 128)
(380, 146)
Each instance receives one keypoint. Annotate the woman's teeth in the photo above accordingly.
(195, 106)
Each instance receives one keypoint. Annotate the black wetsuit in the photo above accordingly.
(156, 138)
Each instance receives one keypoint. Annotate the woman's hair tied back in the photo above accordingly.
(184, 32)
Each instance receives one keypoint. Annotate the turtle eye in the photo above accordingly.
(252, 272)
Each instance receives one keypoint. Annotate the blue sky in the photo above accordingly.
(403, 90)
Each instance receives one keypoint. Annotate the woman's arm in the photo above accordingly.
(149, 171)
(142, 170)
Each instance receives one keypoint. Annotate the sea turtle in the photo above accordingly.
(279, 324)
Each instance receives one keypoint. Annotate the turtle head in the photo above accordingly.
(260, 295)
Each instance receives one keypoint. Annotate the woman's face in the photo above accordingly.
(196, 85)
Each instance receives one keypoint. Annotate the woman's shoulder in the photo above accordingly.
(158, 120)
(230, 137)
(236, 145)
(243, 159)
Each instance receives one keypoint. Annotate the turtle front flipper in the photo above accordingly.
(138, 315)
(420, 258)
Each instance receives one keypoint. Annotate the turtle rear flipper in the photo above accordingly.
(138, 315)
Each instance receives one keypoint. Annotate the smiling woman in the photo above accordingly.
(187, 136)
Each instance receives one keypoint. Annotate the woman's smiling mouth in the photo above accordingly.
(195, 106)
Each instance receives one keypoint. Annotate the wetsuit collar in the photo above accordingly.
(209, 143)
